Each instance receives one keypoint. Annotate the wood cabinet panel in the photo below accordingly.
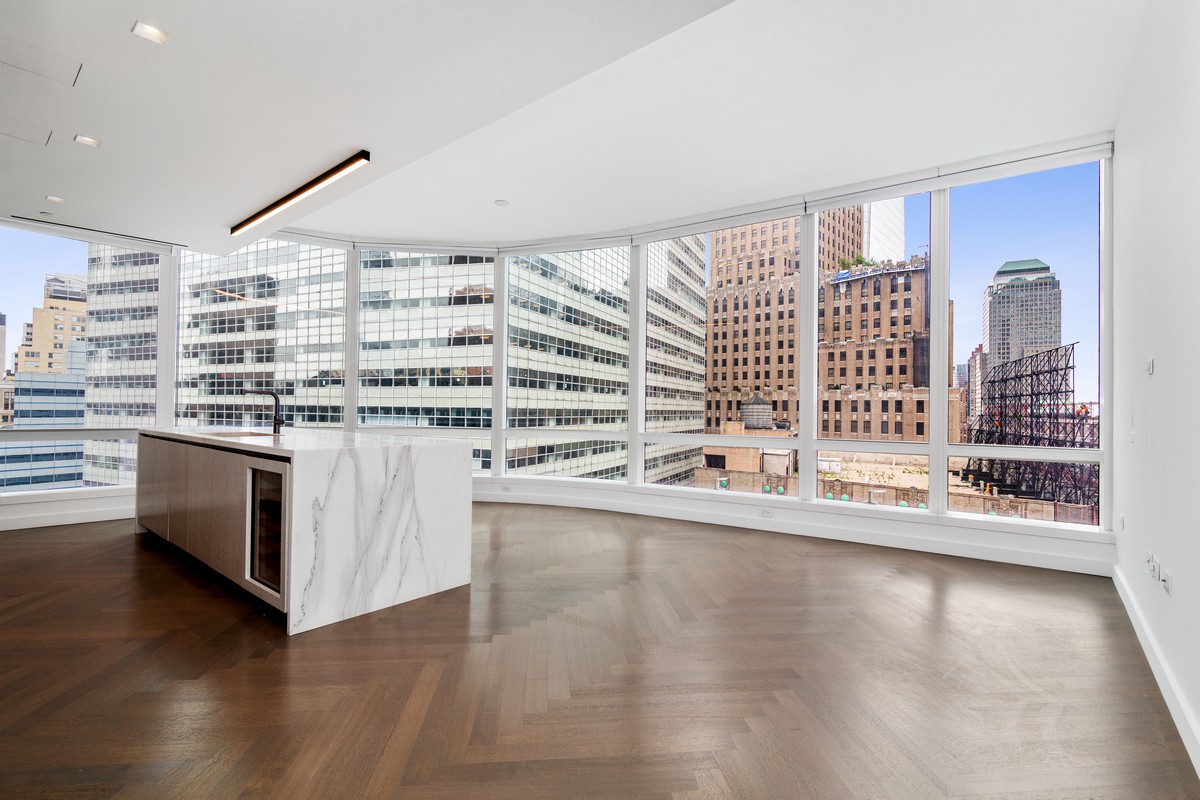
(151, 493)
(173, 467)
(217, 529)
(162, 486)
(198, 498)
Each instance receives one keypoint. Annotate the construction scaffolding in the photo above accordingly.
(1030, 402)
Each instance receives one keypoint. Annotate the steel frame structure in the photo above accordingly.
(1030, 402)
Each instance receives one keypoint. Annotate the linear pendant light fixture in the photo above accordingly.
(359, 159)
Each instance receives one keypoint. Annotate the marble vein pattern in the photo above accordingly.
(376, 526)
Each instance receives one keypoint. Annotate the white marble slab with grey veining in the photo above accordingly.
(374, 526)
(371, 520)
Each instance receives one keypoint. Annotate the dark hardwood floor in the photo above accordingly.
(595, 655)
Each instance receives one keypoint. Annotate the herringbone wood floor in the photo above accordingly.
(596, 655)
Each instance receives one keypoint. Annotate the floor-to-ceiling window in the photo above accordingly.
(426, 336)
(271, 316)
(568, 364)
(873, 364)
(1025, 288)
(801, 357)
(122, 322)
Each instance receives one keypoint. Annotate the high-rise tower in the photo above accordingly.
(122, 352)
(62, 319)
(1022, 312)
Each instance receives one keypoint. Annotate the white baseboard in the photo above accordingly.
(1047, 546)
(1185, 716)
(65, 507)
(909, 530)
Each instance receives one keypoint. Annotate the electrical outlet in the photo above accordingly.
(766, 513)
(506, 489)
(1122, 522)
(1168, 580)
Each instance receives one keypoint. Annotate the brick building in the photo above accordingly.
(872, 331)
(873, 351)
(751, 298)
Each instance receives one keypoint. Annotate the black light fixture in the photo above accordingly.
(361, 158)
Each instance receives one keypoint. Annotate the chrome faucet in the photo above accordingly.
(277, 420)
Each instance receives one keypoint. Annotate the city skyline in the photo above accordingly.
(1052, 216)
(1048, 215)
(270, 316)
(25, 260)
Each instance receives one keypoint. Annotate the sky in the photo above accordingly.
(1051, 215)
(25, 260)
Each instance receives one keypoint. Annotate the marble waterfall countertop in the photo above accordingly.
(373, 520)
(289, 441)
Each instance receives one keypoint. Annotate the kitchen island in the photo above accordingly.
(323, 525)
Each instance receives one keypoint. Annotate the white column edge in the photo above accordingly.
(350, 353)
(636, 455)
(499, 362)
(937, 427)
(169, 286)
(806, 366)
(1107, 424)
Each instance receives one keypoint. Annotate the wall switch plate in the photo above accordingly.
(1168, 580)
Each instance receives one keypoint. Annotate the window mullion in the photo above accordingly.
(169, 287)
(939, 346)
(638, 264)
(806, 362)
(499, 363)
(1106, 345)
(350, 354)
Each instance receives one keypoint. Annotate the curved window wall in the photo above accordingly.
(793, 358)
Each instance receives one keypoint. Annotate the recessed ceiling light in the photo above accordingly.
(53, 198)
(89, 141)
(149, 33)
(501, 203)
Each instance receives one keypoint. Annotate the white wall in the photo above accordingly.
(1156, 197)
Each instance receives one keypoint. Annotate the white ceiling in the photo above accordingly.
(588, 117)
